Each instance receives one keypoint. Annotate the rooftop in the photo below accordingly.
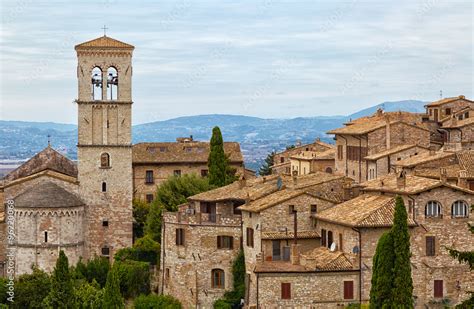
(47, 159)
(466, 161)
(179, 152)
(391, 151)
(447, 100)
(328, 154)
(366, 210)
(322, 258)
(47, 195)
(455, 123)
(423, 158)
(290, 235)
(104, 42)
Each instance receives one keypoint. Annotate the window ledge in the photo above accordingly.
(105, 167)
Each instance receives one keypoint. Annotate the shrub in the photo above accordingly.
(31, 289)
(95, 269)
(156, 301)
(134, 277)
(145, 249)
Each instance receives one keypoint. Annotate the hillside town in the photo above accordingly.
(307, 231)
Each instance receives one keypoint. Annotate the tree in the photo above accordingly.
(266, 168)
(402, 293)
(31, 289)
(156, 301)
(465, 257)
(88, 295)
(62, 293)
(233, 297)
(220, 172)
(382, 274)
(134, 277)
(140, 212)
(144, 249)
(112, 297)
(95, 269)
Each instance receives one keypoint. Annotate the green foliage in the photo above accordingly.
(402, 293)
(88, 295)
(266, 168)
(290, 147)
(156, 301)
(31, 289)
(140, 212)
(95, 269)
(112, 298)
(134, 277)
(392, 285)
(233, 297)
(153, 222)
(382, 274)
(61, 294)
(220, 172)
(144, 249)
(3, 290)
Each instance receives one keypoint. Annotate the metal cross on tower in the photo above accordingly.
(105, 30)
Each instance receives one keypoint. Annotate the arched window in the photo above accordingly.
(433, 209)
(112, 84)
(218, 279)
(96, 84)
(329, 170)
(459, 209)
(105, 160)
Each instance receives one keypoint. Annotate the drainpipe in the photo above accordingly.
(360, 264)
(360, 155)
(163, 242)
(345, 139)
(257, 290)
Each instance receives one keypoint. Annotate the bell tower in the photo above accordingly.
(104, 73)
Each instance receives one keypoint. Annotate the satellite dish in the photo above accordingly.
(332, 248)
(355, 250)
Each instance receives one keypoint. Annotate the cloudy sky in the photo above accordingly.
(260, 58)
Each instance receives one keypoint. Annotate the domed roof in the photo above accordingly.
(47, 195)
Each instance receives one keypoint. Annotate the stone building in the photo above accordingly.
(281, 161)
(458, 130)
(374, 134)
(308, 162)
(83, 209)
(153, 163)
(440, 110)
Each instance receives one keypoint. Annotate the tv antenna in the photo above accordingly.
(441, 94)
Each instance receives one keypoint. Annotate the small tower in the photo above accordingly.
(104, 73)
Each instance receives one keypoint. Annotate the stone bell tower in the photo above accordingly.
(104, 73)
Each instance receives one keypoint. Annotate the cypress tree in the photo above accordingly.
(62, 293)
(112, 297)
(402, 292)
(266, 168)
(382, 274)
(220, 173)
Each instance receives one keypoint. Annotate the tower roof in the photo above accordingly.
(47, 195)
(104, 42)
(47, 159)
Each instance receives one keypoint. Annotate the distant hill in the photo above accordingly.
(258, 136)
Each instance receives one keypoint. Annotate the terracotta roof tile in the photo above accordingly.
(279, 267)
(192, 152)
(454, 123)
(290, 235)
(329, 154)
(322, 258)
(423, 158)
(466, 161)
(447, 100)
(391, 151)
(366, 210)
(104, 42)
(452, 171)
(47, 159)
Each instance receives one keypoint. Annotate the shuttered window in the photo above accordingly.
(286, 290)
(249, 237)
(180, 237)
(218, 279)
(330, 239)
(225, 242)
(323, 238)
(430, 246)
(438, 288)
(339, 152)
(348, 289)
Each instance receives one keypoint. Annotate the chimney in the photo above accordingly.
(347, 191)
(443, 175)
(401, 180)
(379, 112)
(387, 132)
(242, 182)
(295, 177)
(462, 179)
(295, 254)
(247, 199)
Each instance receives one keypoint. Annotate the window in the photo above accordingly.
(112, 84)
(328, 170)
(356, 153)
(177, 173)
(285, 290)
(340, 241)
(249, 237)
(330, 239)
(149, 177)
(218, 279)
(180, 237)
(323, 238)
(448, 111)
(104, 160)
(163, 149)
(314, 209)
(225, 242)
(149, 198)
(96, 84)
(45, 236)
(204, 173)
(291, 209)
(167, 276)
(459, 210)
(276, 250)
(282, 159)
(104, 187)
(430, 246)
(340, 152)
(105, 251)
(105, 223)
(438, 288)
(433, 209)
(348, 289)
